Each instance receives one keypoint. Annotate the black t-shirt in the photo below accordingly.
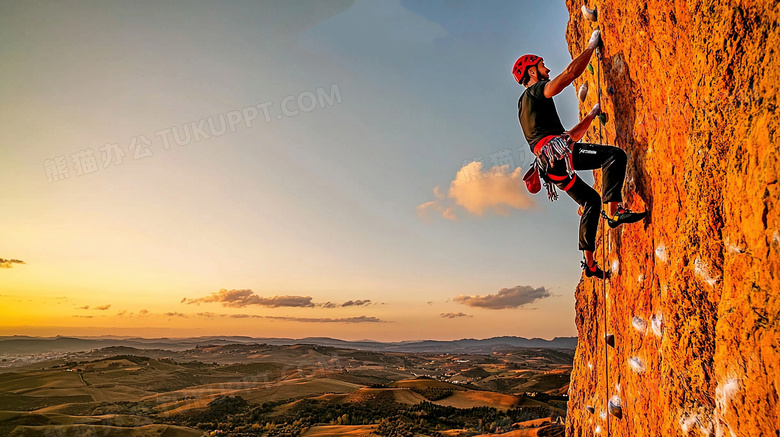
(537, 114)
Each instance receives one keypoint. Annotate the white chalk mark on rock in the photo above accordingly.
(639, 324)
(657, 321)
(660, 252)
(636, 365)
(702, 271)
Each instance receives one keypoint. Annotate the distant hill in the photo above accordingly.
(35, 345)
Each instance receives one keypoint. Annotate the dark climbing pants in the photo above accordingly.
(612, 161)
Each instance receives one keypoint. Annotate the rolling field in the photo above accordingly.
(86, 430)
(280, 390)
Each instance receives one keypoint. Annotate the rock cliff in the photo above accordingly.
(694, 306)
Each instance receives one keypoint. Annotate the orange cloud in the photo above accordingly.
(428, 209)
(454, 315)
(360, 319)
(496, 190)
(9, 263)
(506, 298)
(243, 298)
(480, 192)
(350, 303)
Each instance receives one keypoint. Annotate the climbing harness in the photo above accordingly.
(558, 148)
(550, 151)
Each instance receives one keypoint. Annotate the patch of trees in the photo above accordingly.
(476, 372)
(545, 397)
(232, 416)
(434, 393)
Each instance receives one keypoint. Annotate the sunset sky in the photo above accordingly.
(281, 169)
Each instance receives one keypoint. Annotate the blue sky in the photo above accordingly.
(323, 203)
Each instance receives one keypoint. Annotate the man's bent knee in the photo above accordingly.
(619, 155)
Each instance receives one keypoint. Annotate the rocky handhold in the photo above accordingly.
(696, 114)
(590, 409)
(610, 339)
(590, 14)
(583, 92)
(614, 407)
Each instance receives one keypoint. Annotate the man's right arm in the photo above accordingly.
(577, 132)
(574, 70)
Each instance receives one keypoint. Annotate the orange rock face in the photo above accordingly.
(694, 305)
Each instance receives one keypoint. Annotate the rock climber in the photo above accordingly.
(559, 154)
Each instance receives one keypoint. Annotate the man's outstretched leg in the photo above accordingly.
(590, 201)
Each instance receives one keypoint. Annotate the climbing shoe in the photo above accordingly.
(594, 270)
(623, 215)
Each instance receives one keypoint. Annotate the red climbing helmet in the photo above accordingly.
(522, 64)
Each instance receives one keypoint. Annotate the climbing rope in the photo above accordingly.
(603, 255)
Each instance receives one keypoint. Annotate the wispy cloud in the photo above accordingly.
(174, 314)
(454, 315)
(356, 303)
(429, 209)
(95, 308)
(243, 298)
(359, 319)
(479, 192)
(9, 263)
(83, 317)
(143, 312)
(506, 298)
